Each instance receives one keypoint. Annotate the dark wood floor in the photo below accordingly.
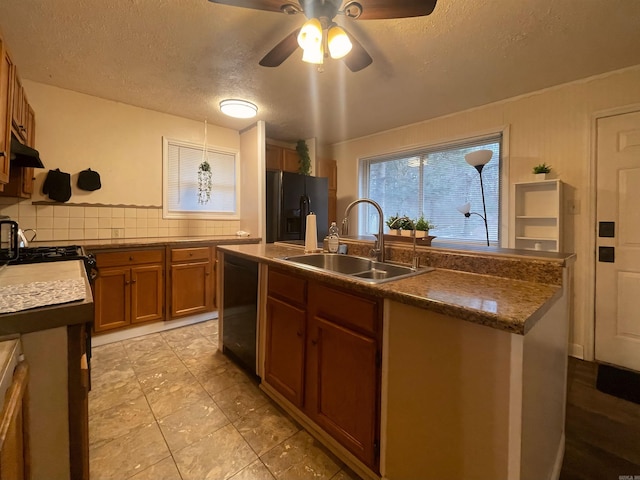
(602, 431)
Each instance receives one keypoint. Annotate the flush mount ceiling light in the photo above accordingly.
(238, 108)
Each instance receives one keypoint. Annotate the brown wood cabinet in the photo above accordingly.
(343, 369)
(191, 285)
(323, 355)
(14, 428)
(129, 288)
(286, 327)
(7, 74)
(281, 158)
(21, 179)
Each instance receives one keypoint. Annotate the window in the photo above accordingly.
(433, 182)
(182, 161)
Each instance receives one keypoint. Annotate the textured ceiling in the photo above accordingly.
(184, 56)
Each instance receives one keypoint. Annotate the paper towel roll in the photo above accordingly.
(311, 236)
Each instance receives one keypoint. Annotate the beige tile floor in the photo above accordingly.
(169, 406)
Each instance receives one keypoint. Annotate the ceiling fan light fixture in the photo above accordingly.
(338, 41)
(310, 35)
(236, 108)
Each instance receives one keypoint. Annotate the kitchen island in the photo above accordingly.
(472, 367)
(53, 340)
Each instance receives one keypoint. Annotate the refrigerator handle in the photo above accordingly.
(305, 209)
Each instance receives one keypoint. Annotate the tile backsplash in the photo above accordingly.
(71, 222)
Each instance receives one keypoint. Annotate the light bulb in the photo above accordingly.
(310, 35)
(339, 43)
(313, 55)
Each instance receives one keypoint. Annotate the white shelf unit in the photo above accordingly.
(537, 223)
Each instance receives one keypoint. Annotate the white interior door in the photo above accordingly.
(618, 244)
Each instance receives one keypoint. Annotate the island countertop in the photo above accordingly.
(506, 304)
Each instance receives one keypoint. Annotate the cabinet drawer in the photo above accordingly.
(349, 310)
(188, 254)
(287, 286)
(131, 257)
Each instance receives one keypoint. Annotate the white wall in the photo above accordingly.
(123, 143)
(552, 126)
(252, 184)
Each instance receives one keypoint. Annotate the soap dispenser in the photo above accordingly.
(334, 238)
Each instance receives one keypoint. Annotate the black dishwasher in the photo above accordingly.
(240, 311)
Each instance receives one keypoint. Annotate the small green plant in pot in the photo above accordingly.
(541, 171)
(393, 224)
(423, 225)
(406, 226)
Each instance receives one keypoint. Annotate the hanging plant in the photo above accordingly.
(305, 160)
(204, 174)
(204, 183)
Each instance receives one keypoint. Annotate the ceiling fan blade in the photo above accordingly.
(281, 51)
(381, 9)
(357, 58)
(268, 5)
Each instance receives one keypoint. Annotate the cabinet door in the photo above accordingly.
(112, 298)
(342, 392)
(14, 448)
(273, 159)
(7, 73)
(284, 356)
(147, 300)
(290, 160)
(191, 288)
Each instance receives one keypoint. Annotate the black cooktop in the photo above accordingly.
(49, 254)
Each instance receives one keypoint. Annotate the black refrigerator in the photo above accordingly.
(290, 198)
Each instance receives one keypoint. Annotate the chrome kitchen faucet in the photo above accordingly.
(379, 246)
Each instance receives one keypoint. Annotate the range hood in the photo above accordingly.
(23, 156)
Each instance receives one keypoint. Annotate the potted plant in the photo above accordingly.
(393, 224)
(406, 226)
(540, 171)
(423, 226)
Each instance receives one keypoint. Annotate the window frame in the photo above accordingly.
(206, 214)
(500, 133)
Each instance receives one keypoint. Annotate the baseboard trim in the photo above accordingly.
(106, 338)
(576, 350)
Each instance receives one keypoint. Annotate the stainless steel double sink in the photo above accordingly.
(358, 268)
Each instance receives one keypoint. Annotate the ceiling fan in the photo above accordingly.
(320, 36)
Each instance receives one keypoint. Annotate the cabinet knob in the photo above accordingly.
(299, 333)
(207, 273)
(133, 281)
(314, 342)
(131, 259)
(191, 254)
(126, 282)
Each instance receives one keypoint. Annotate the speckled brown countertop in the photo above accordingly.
(503, 303)
(107, 244)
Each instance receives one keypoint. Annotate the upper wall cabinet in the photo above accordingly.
(17, 118)
(7, 74)
(281, 158)
(21, 112)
